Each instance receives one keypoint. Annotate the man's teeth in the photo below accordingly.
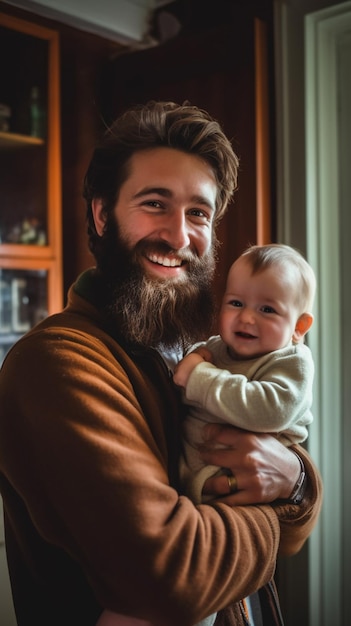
(167, 262)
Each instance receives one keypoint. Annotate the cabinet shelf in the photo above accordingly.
(9, 251)
(13, 141)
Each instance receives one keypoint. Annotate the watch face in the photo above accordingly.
(299, 491)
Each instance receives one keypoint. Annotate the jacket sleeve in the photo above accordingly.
(298, 521)
(93, 472)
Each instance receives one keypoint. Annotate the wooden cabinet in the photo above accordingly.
(30, 177)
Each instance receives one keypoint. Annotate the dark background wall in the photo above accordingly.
(210, 62)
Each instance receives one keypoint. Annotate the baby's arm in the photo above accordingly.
(277, 399)
(184, 368)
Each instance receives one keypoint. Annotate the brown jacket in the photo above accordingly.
(88, 469)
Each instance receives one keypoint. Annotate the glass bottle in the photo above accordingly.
(37, 114)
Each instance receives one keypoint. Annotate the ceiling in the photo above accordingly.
(123, 21)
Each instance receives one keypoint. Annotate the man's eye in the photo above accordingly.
(154, 204)
(200, 214)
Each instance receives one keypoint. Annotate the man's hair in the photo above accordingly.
(263, 257)
(158, 124)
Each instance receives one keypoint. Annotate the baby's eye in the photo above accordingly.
(267, 309)
(236, 303)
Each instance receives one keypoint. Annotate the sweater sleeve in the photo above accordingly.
(82, 443)
(278, 399)
(93, 472)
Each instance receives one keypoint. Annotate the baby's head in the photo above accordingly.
(293, 264)
(268, 300)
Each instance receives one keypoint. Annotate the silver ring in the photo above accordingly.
(232, 483)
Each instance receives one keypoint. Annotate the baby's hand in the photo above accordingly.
(204, 353)
(186, 365)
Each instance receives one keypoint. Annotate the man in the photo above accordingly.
(90, 420)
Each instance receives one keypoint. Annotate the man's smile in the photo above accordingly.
(166, 261)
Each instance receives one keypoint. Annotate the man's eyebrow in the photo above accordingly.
(160, 191)
(204, 201)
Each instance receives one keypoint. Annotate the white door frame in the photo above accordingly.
(327, 43)
(313, 56)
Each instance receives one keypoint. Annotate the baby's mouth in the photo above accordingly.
(245, 335)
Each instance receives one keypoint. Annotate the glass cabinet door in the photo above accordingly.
(23, 303)
(23, 138)
(30, 177)
(30, 191)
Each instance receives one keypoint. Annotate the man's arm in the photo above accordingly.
(83, 438)
(265, 471)
(104, 496)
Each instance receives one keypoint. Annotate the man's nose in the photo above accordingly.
(175, 231)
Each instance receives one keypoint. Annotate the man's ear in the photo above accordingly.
(99, 215)
(303, 324)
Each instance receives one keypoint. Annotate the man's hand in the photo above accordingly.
(264, 469)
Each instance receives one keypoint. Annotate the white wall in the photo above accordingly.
(119, 20)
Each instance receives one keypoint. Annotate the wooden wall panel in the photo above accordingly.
(214, 68)
(212, 63)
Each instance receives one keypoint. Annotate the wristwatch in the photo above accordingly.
(298, 492)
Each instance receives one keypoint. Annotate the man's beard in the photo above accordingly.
(150, 312)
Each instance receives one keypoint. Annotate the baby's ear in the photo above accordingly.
(303, 325)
